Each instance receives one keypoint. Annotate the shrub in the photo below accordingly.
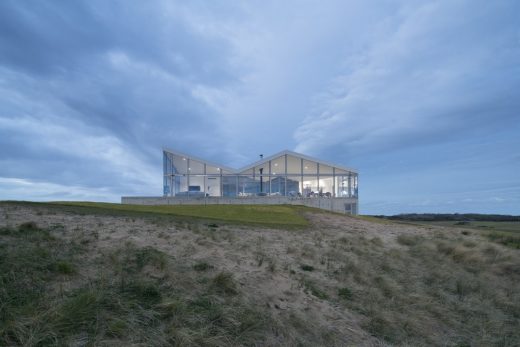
(408, 240)
(223, 283)
(345, 293)
(306, 267)
(28, 226)
(63, 267)
(139, 258)
(202, 266)
(310, 286)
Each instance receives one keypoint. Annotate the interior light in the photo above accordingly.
(306, 167)
(275, 164)
(183, 158)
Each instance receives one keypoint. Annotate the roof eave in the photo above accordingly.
(223, 167)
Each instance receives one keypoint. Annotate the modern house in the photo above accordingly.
(284, 178)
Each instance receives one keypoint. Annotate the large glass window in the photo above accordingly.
(285, 175)
(326, 184)
(325, 170)
(261, 173)
(355, 178)
(247, 186)
(310, 168)
(197, 185)
(278, 166)
(277, 185)
(180, 165)
(229, 185)
(213, 185)
(294, 186)
(310, 186)
(294, 165)
(213, 170)
(196, 167)
(343, 188)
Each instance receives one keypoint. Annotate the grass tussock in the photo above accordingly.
(438, 290)
(505, 238)
(329, 286)
(137, 297)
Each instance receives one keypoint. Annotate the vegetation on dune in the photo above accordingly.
(137, 297)
(436, 290)
(200, 283)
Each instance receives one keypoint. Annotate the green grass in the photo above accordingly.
(509, 239)
(345, 293)
(122, 304)
(256, 214)
(306, 267)
(311, 287)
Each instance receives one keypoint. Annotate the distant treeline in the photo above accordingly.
(466, 217)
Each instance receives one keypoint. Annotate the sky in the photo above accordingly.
(421, 97)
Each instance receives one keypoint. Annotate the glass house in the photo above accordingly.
(286, 173)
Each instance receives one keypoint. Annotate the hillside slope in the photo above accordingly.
(78, 277)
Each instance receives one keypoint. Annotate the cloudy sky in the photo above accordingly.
(422, 97)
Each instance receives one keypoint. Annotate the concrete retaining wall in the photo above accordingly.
(342, 205)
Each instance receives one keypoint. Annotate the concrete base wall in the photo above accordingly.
(342, 205)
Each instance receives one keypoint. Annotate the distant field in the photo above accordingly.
(495, 226)
(274, 215)
(506, 233)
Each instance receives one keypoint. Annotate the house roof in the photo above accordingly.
(262, 161)
(223, 167)
(297, 155)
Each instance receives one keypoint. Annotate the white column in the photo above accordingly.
(285, 181)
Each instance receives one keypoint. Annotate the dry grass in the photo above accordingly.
(71, 279)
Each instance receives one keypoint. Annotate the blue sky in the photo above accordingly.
(422, 97)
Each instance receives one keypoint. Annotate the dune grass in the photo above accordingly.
(135, 296)
(436, 290)
(429, 287)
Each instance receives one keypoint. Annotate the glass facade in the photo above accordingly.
(283, 175)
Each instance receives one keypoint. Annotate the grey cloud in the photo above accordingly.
(434, 74)
(111, 78)
(406, 92)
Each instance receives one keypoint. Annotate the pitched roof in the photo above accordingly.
(293, 154)
(263, 161)
(223, 167)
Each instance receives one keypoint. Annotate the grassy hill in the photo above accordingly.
(109, 274)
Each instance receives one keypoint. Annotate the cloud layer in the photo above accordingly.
(421, 97)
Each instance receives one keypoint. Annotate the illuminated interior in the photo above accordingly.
(284, 174)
